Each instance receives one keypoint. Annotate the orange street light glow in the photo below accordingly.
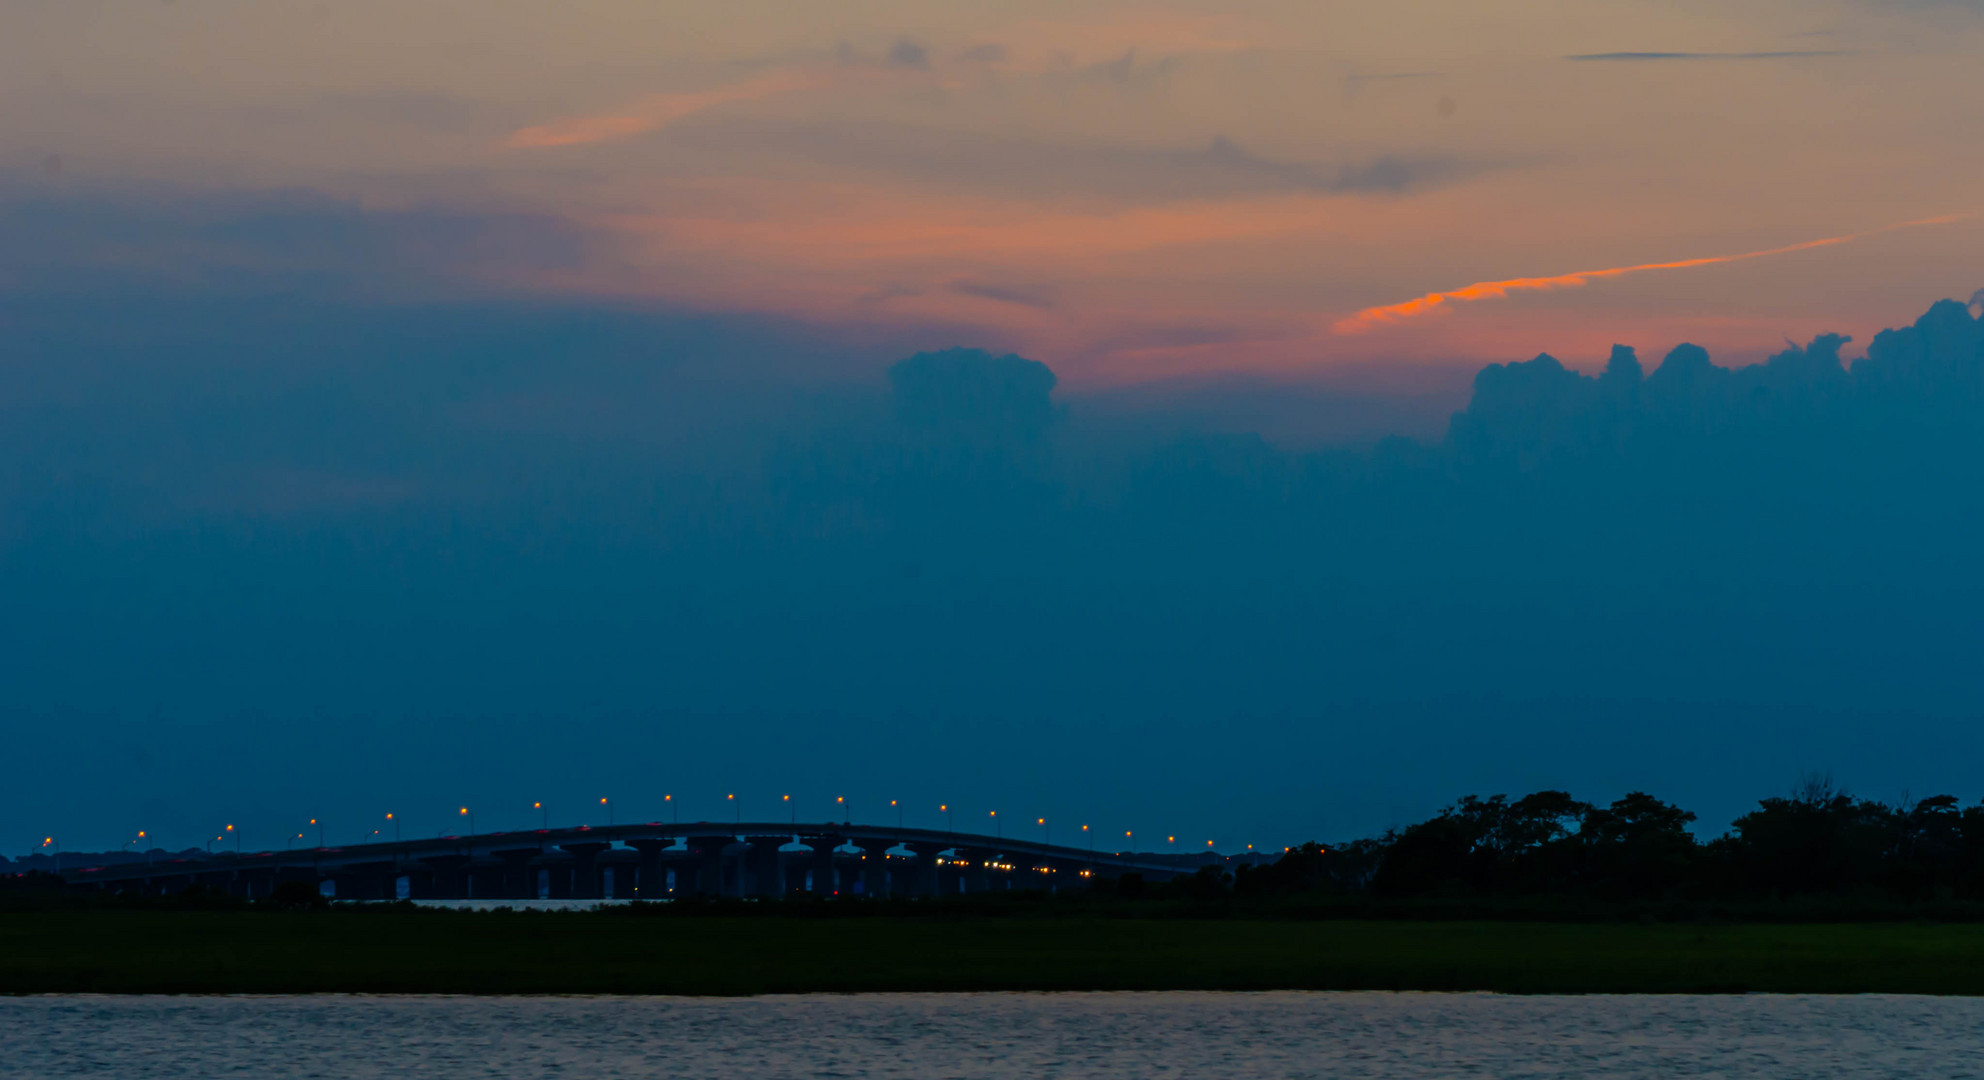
(1370, 318)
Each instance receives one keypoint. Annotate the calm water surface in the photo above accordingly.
(995, 1035)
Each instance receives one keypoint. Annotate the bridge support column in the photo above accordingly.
(707, 853)
(924, 872)
(445, 880)
(977, 875)
(874, 870)
(516, 880)
(823, 863)
(650, 879)
(767, 865)
(585, 868)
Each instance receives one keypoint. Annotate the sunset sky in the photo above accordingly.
(1126, 192)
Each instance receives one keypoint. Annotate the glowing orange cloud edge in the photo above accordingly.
(1496, 290)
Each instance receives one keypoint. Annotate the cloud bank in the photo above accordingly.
(308, 532)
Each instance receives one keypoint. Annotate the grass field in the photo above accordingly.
(388, 951)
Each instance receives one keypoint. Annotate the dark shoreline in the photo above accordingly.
(386, 951)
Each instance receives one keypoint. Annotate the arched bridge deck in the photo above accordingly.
(655, 861)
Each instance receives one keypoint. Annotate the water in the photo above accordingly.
(932, 1036)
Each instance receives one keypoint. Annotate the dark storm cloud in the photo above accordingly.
(908, 54)
(88, 238)
(1004, 294)
(1033, 168)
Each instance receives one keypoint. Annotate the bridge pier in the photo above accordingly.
(365, 881)
(874, 870)
(976, 876)
(924, 872)
(518, 880)
(707, 853)
(767, 865)
(585, 868)
(618, 871)
(650, 878)
(823, 863)
(444, 878)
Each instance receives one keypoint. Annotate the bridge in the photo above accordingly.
(653, 861)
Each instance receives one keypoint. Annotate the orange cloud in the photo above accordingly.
(659, 112)
(1496, 290)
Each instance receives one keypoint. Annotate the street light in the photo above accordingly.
(736, 809)
(149, 857)
(544, 815)
(950, 819)
(998, 831)
(1044, 833)
(608, 803)
(57, 852)
(237, 840)
(794, 809)
(847, 812)
(320, 831)
(471, 820)
(898, 807)
(396, 827)
(670, 800)
(1130, 841)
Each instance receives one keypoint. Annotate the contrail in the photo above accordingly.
(1495, 290)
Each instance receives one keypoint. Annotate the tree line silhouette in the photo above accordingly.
(1816, 842)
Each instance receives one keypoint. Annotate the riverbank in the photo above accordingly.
(397, 952)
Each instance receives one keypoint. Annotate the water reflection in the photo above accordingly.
(1198, 1035)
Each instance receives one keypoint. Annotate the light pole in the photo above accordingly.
(48, 845)
(237, 839)
(471, 821)
(898, 806)
(670, 800)
(998, 830)
(1044, 833)
(1130, 841)
(794, 809)
(320, 831)
(735, 809)
(149, 848)
(847, 812)
(608, 803)
(396, 827)
(544, 816)
(950, 819)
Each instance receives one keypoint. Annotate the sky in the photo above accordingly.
(409, 403)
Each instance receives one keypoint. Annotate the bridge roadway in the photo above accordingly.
(651, 861)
